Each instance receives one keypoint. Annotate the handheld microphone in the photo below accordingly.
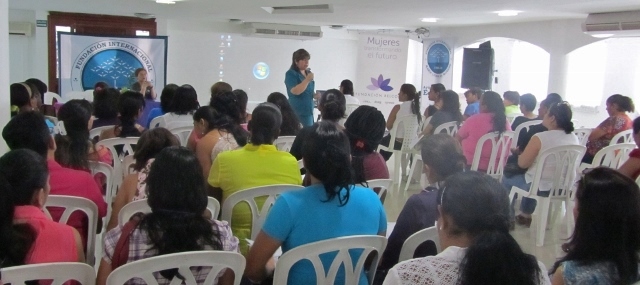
(308, 70)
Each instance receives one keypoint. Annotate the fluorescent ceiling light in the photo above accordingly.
(602, 35)
(508, 13)
(165, 1)
(429, 20)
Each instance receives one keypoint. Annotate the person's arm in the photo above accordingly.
(214, 185)
(79, 246)
(259, 260)
(630, 168)
(124, 196)
(392, 116)
(203, 153)
(302, 86)
(103, 272)
(601, 130)
(558, 276)
(528, 156)
(94, 193)
(153, 92)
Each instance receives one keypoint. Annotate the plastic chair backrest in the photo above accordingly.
(74, 95)
(284, 143)
(341, 245)
(412, 242)
(524, 126)
(383, 185)
(182, 133)
(157, 122)
(184, 262)
(567, 158)
(348, 110)
(613, 156)
(449, 128)
(583, 135)
(411, 126)
(49, 96)
(127, 149)
(499, 152)
(424, 123)
(249, 196)
(101, 167)
(141, 206)
(88, 95)
(512, 117)
(622, 137)
(95, 132)
(72, 204)
(59, 273)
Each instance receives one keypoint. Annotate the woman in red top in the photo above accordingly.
(631, 168)
(618, 121)
(27, 235)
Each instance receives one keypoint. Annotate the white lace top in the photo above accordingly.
(441, 269)
(226, 142)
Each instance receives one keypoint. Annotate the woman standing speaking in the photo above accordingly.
(300, 87)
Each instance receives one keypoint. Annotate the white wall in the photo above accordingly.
(4, 68)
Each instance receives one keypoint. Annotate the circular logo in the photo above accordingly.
(261, 70)
(438, 58)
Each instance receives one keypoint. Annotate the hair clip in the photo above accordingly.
(59, 129)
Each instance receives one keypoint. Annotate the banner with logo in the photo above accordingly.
(381, 70)
(437, 63)
(86, 60)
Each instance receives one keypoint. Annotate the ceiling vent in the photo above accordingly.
(283, 31)
(20, 28)
(305, 9)
(617, 24)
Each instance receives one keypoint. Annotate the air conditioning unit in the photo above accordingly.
(617, 24)
(20, 28)
(282, 31)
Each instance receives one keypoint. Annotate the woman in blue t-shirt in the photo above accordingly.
(300, 86)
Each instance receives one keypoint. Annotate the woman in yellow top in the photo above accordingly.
(258, 163)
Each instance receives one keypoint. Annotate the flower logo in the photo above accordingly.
(380, 83)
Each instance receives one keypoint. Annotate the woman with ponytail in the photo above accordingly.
(442, 157)
(560, 133)
(27, 235)
(409, 105)
(365, 128)
(617, 107)
(130, 105)
(177, 222)
(330, 207)
(473, 228)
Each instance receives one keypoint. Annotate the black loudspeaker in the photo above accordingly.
(477, 68)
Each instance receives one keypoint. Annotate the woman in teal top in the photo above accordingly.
(300, 87)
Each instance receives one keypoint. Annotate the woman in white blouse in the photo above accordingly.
(473, 227)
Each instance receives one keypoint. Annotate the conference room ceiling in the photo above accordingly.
(351, 13)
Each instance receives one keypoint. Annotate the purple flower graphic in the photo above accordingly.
(380, 83)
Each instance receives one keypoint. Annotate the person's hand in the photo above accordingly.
(515, 150)
(149, 84)
(309, 76)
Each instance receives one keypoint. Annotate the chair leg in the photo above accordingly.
(543, 204)
(397, 176)
(411, 170)
(570, 218)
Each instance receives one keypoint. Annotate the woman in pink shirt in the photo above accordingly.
(491, 118)
(27, 235)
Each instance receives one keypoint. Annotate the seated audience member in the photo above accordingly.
(218, 88)
(134, 186)
(525, 136)
(473, 96)
(177, 222)
(166, 98)
(28, 130)
(20, 98)
(560, 133)
(242, 101)
(511, 102)
(40, 86)
(365, 128)
(220, 134)
(442, 157)
(27, 235)
(346, 87)
(490, 119)
(130, 105)
(434, 96)
(105, 107)
(226, 104)
(409, 106)
(293, 221)
(332, 107)
(473, 226)
(604, 246)
(527, 105)
(631, 167)
(36, 97)
(449, 111)
(183, 105)
(221, 95)
(290, 123)
(618, 121)
(258, 163)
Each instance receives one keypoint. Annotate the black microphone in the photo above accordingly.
(308, 70)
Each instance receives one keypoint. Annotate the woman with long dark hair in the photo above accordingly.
(345, 209)
(409, 105)
(176, 222)
(449, 112)
(130, 105)
(242, 101)
(105, 107)
(617, 107)
(166, 99)
(365, 128)
(604, 246)
(183, 105)
(434, 95)
(290, 123)
(300, 86)
(491, 119)
(473, 228)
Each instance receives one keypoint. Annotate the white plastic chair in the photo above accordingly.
(348, 110)
(450, 128)
(383, 186)
(59, 273)
(512, 117)
(583, 135)
(101, 167)
(127, 149)
(524, 126)
(411, 244)
(88, 95)
(622, 137)
(73, 95)
(49, 96)
(184, 262)
(566, 160)
(499, 152)
(284, 143)
(259, 215)
(95, 132)
(612, 156)
(141, 206)
(182, 133)
(157, 122)
(342, 245)
(71, 204)
(410, 125)
(424, 122)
